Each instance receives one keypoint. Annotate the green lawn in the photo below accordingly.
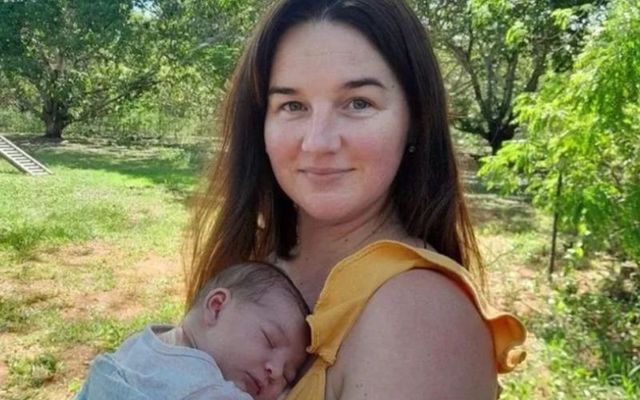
(92, 253)
(87, 256)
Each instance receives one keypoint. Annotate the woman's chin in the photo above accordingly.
(333, 214)
(329, 214)
(340, 208)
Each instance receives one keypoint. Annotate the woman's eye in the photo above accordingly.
(293, 106)
(359, 104)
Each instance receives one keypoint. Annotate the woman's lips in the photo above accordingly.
(324, 176)
(324, 171)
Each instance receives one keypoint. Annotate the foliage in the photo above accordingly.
(595, 337)
(12, 120)
(497, 49)
(206, 36)
(69, 61)
(584, 126)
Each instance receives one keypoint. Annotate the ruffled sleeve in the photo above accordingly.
(354, 280)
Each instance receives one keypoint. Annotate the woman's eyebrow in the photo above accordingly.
(349, 85)
(282, 90)
(358, 83)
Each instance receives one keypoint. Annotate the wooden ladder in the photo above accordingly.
(21, 160)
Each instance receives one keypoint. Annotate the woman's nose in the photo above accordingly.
(320, 134)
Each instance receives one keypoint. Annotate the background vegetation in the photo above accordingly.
(545, 102)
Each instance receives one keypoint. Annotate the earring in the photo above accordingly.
(411, 149)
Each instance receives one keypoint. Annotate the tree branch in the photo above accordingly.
(505, 107)
(131, 90)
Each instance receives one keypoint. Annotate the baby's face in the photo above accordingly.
(260, 347)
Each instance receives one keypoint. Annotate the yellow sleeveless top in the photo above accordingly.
(354, 280)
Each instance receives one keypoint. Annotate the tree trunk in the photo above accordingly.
(55, 118)
(54, 128)
(499, 133)
(554, 233)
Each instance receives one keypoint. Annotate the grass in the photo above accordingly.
(89, 255)
(33, 372)
(17, 312)
(96, 194)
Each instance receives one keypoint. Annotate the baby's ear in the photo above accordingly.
(215, 301)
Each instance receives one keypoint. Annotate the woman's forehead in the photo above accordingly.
(326, 51)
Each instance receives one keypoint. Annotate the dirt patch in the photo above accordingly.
(4, 372)
(121, 305)
(131, 282)
(153, 265)
(86, 253)
(154, 270)
(513, 285)
(58, 389)
(76, 360)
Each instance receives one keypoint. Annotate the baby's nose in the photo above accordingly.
(276, 373)
(274, 370)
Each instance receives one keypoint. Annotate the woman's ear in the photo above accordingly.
(215, 301)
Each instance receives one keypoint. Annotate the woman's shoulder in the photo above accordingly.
(423, 334)
(425, 288)
(424, 303)
(385, 266)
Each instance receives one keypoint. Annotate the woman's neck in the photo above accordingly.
(322, 245)
(318, 241)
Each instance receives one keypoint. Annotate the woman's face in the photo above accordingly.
(336, 124)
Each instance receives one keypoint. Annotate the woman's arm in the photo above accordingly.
(419, 337)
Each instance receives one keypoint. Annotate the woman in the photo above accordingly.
(337, 165)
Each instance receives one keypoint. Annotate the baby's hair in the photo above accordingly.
(250, 281)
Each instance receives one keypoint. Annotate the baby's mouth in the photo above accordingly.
(257, 386)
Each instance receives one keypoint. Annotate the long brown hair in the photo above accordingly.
(244, 214)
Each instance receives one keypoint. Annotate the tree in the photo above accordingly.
(501, 48)
(73, 60)
(583, 129)
(205, 37)
(70, 60)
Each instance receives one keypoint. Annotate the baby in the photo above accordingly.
(243, 339)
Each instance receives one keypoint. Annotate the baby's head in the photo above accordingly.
(251, 319)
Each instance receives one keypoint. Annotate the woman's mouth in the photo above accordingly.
(324, 176)
(324, 171)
